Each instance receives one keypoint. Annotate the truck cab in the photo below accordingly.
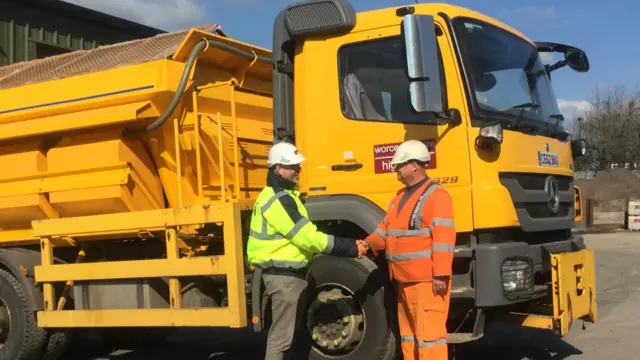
(349, 88)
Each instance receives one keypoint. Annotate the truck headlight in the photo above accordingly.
(517, 275)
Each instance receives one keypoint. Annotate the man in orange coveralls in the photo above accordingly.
(418, 236)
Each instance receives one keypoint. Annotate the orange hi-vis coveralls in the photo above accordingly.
(419, 238)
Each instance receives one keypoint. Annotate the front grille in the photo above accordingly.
(542, 210)
(536, 181)
(531, 200)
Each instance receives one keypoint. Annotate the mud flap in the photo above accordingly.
(574, 289)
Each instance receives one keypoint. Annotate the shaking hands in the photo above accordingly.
(363, 247)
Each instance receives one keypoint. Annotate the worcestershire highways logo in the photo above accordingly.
(551, 188)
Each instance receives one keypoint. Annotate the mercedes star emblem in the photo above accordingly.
(551, 188)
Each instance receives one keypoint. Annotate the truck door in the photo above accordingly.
(353, 136)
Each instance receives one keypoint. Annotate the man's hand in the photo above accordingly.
(440, 284)
(363, 247)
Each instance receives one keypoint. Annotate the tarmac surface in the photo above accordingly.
(615, 336)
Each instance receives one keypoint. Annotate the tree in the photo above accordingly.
(611, 129)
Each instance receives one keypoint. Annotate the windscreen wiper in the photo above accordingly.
(516, 123)
(558, 117)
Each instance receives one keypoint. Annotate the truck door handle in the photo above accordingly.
(346, 167)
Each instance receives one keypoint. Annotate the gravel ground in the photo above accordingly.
(616, 336)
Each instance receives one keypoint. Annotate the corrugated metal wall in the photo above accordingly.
(30, 32)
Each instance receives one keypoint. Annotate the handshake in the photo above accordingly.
(363, 247)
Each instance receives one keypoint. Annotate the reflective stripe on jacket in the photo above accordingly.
(281, 234)
(418, 240)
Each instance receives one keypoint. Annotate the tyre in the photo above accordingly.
(56, 345)
(21, 337)
(346, 315)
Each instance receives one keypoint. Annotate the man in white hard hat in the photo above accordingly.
(281, 243)
(418, 236)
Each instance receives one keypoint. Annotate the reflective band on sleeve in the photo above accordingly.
(282, 264)
(298, 226)
(443, 247)
(442, 222)
(404, 233)
(330, 241)
(265, 236)
(271, 200)
(379, 232)
(409, 256)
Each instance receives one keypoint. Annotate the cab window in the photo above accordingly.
(374, 84)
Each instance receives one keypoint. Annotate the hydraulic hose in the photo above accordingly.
(200, 46)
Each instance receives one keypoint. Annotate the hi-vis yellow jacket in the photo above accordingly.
(281, 234)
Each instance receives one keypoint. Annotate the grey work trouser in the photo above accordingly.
(287, 295)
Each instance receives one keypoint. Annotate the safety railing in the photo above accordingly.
(172, 267)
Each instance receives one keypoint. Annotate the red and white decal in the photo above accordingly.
(382, 155)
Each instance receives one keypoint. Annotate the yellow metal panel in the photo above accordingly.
(66, 180)
(223, 58)
(235, 278)
(533, 321)
(135, 221)
(574, 288)
(13, 236)
(388, 17)
(19, 211)
(48, 124)
(24, 159)
(94, 201)
(173, 253)
(91, 91)
(202, 317)
(145, 192)
(132, 269)
(46, 252)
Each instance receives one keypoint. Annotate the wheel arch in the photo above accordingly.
(358, 210)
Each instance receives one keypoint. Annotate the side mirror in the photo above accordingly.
(578, 148)
(577, 60)
(422, 63)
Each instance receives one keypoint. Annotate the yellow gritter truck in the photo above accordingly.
(129, 173)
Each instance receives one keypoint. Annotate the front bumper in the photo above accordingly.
(488, 274)
(561, 278)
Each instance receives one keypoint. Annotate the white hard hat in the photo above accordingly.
(411, 150)
(284, 153)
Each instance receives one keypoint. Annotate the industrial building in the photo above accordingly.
(34, 29)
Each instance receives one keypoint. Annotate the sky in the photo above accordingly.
(573, 22)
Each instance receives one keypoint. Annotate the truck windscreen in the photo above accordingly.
(505, 72)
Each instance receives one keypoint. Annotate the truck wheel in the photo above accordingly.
(57, 343)
(347, 316)
(19, 333)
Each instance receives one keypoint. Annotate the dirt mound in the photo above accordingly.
(611, 185)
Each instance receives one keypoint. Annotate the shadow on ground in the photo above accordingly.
(500, 343)
(189, 344)
(503, 342)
